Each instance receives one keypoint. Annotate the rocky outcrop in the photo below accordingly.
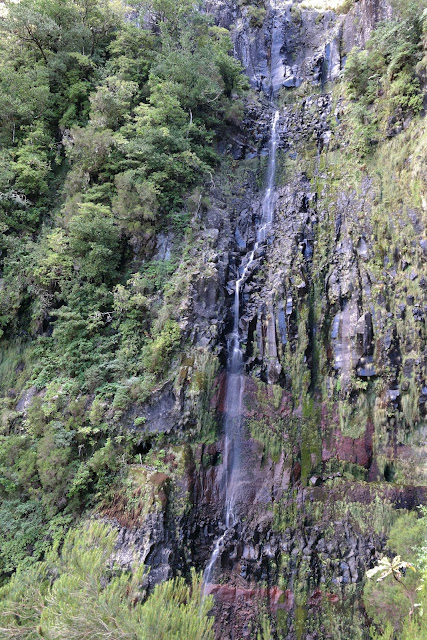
(361, 20)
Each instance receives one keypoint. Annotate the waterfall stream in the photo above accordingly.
(235, 377)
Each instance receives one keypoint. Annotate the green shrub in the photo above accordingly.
(159, 353)
(88, 599)
(256, 16)
(389, 601)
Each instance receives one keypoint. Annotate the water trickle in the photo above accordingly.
(235, 378)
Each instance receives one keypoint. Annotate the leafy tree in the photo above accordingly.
(53, 261)
(81, 337)
(133, 52)
(24, 98)
(94, 242)
(135, 204)
(112, 102)
(32, 164)
(383, 82)
(88, 149)
(29, 21)
(167, 14)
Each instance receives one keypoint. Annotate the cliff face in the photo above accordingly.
(332, 324)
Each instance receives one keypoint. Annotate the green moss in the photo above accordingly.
(202, 377)
(311, 442)
(285, 512)
(376, 514)
(282, 622)
(354, 417)
(300, 620)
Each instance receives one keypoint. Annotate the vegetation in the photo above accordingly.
(383, 80)
(106, 129)
(339, 6)
(396, 600)
(109, 124)
(78, 593)
(371, 176)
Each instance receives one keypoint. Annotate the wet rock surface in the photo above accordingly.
(335, 393)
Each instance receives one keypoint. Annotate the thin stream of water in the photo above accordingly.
(235, 378)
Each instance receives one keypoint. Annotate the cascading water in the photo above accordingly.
(235, 378)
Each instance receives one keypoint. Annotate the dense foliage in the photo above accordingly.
(107, 123)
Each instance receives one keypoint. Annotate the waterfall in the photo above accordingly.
(235, 377)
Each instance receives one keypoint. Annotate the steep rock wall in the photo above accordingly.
(334, 338)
